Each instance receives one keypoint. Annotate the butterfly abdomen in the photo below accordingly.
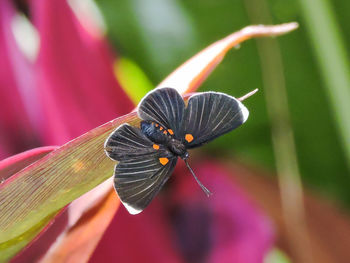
(155, 132)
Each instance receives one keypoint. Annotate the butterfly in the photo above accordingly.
(147, 155)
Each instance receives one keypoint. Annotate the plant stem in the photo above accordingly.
(282, 137)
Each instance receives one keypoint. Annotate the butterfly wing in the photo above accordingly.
(128, 142)
(142, 169)
(137, 181)
(164, 106)
(209, 115)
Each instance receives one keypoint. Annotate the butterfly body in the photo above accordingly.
(159, 134)
(147, 155)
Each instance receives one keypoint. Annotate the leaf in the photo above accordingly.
(77, 244)
(193, 72)
(40, 190)
(43, 188)
(15, 163)
(10, 166)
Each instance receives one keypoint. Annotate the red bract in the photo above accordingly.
(75, 90)
(20, 113)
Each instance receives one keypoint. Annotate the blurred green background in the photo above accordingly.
(156, 36)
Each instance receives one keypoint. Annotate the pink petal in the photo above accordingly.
(20, 110)
(145, 238)
(243, 233)
(75, 74)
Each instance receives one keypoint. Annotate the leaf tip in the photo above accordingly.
(288, 27)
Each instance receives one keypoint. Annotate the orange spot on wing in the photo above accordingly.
(160, 128)
(189, 137)
(157, 124)
(163, 160)
(171, 131)
(156, 146)
(165, 132)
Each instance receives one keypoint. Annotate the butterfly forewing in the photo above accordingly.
(128, 142)
(209, 115)
(138, 181)
(164, 106)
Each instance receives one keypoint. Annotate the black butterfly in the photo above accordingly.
(147, 155)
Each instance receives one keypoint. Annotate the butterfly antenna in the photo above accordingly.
(247, 95)
(205, 190)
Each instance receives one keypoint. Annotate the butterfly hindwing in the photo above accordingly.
(164, 106)
(137, 181)
(143, 166)
(209, 115)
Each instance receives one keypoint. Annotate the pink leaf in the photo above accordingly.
(75, 72)
(189, 76)
(15, 163)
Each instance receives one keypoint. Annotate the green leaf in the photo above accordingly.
(132, 79)
(35, 194)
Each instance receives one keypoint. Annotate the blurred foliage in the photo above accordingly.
(159, 35)
(132, 78)
(276, 256)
